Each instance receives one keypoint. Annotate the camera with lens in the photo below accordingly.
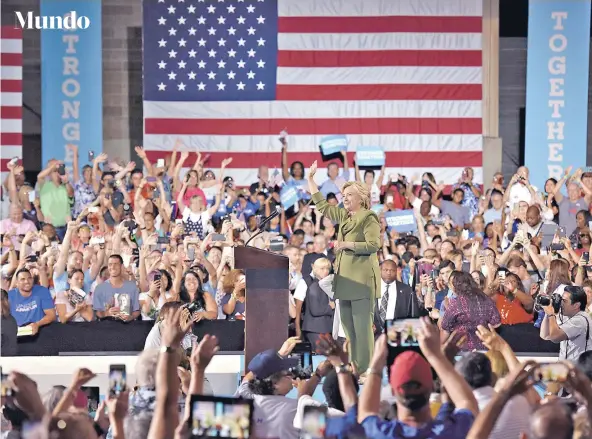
(554, 300)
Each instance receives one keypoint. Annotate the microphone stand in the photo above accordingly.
(260, 228)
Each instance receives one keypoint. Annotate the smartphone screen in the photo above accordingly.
(151, 179)
(31, 196)
(160, 163)
(551, 373)
(402, 333)
(62, 169)
(117, 379)
(91, 156)
(218, 237)
(314, 422)
(93, 396)
(191, 253)
(212, 416)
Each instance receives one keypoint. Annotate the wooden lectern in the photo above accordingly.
(267, 306)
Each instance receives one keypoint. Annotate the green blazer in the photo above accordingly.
(357, 274)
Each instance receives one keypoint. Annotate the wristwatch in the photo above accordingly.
(371, 371)
(166, 350)
(344, 368)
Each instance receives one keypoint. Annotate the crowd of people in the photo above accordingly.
(155, 241)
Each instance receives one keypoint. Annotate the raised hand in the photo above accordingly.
(226, 162)
(203, 352)
(312, 170)
(140, 152)
(174, 329)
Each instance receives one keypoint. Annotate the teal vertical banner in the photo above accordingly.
(72, 81)
(557, 87)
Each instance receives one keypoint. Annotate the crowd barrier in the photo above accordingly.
(116, 336)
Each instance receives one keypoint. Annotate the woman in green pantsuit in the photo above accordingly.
(357, 273)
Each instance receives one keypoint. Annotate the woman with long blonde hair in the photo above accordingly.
(357, 274)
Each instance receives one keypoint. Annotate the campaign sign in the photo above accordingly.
(333, 144)
(402, 221)
(370, 156)
(289, 196)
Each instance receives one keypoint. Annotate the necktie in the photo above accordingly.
(384, 305)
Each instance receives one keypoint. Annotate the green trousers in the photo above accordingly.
(356, 318)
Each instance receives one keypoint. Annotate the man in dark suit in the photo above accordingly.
(320, 250)
(396, 300)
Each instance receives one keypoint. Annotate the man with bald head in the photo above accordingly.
(395, 299)
(551, 421)
(569, 206)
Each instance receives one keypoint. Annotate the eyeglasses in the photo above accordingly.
(584, 235)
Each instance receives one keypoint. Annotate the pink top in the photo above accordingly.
(191, 192)
(62, 299)
(22, 228)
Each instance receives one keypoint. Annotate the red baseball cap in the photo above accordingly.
(411, 366)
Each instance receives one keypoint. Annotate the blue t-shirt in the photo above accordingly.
(344, 426)
(60, 283)
(30, 309)
(457, 425)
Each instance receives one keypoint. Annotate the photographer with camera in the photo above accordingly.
(566, 321)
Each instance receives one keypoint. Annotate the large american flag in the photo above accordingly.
(11, 96)
(227, 76)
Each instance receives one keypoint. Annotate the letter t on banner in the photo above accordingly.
(72, 81)
(556, 87)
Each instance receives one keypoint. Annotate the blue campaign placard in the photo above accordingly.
(377, 208)
(289, 196)
(402, 221)
(370, 156)
(333, 144)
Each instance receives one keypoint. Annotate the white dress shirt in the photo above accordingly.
(392, 298)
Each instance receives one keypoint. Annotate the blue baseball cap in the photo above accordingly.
(268, 362)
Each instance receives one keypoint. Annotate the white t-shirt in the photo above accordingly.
(274, 417)
(514, 418)
(309, 401)
(417, 202)
(518, 193)
(375, 194)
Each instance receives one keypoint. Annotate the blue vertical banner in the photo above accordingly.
(72, 82)
(556, 87)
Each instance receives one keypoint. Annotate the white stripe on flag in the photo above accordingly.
(11, 99)
(11, 46)
(375, 8)
(10, 72)
(11, 126)
(311, 109)
(379, 75)
(270, 144)
(246, 176)
(9, 151)
(380, 41)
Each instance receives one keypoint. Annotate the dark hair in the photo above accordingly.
(299, 232)
(482, 278)
(371, 172)
(577, 294)
(331, 390)
(458, 190)
(331, 196)
(465, 285)
(22, 270)
(118, 257)
(584, 363)
(107, 174)
(73, 272)
(168, 307)
(265, 386)
(292, 168)
(137, 171)
(169, 279)
(475, 368)
(199, 294)
(450, 242)
(446, 264)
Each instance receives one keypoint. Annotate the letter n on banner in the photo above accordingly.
(556, 87)
(71, 82)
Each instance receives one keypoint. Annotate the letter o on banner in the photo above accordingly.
(553, 43)
(71, 87)
(83, 22)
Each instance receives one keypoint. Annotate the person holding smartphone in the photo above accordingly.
(357, 274)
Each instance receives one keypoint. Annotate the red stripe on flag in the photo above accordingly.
(386, 125)
(11, 139)
(368, 92)
(11, 112)
(379, 58)
(11, 85)
(410, 159)
(11, 59)
(4, 164)
(379, 24)
(11, 32)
